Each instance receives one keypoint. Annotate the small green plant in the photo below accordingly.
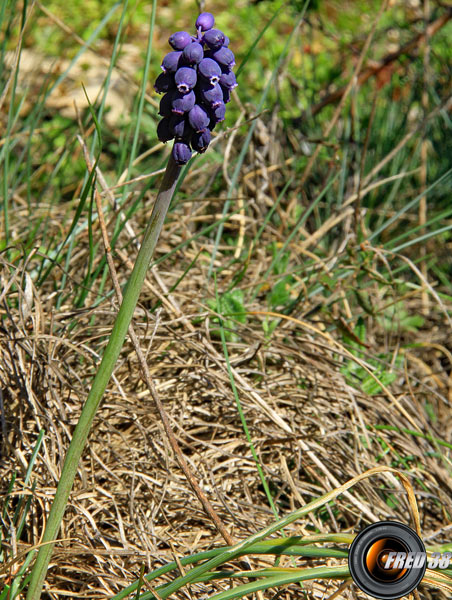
(358, 377)
(397, 318)
(282, 292)
(230, 306)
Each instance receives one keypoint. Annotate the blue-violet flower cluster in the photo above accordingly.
(197, 80)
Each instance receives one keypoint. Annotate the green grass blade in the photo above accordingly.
(247, 141)
(87, 188)
(139, 113)
(241, 413)
(257, 40)
(411, 204)
(339, 572)
(291, 546)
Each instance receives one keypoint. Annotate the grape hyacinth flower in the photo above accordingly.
(197, 80)
(164, 83)
(181, 153)
(193, 53)
(179, 40)
(182, 103)
(201, 140)
(205, 21)
(171, 62)
(214, 38)
(165, 107)
(210, 70)
(217, 113)
(228, 80)
(196, 83)
(212, 95)
(185, 79)
(198, 118)
(180, 127)
(164, 130)
(224, 57)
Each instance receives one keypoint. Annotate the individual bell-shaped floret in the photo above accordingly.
(164, 82)
(210, 70)
(214, 38)
(179, 40)
(182, 103)
(200, 140)
(228, 81)
(218, 113)
(211, 95)
(185, 79)
(205, 21)
(226, 41)
(171, 62)
(164, 132)
(224, 57)
(180, 126)
(198, 118)
(181, 153)
(165, 108)
(193, 53)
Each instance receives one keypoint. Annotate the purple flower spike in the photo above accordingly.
(213, 96)
(205, 21)
(179, 40)
(228, 81)
(201, 140)
(193, 53)
(198, 118)
(185, 79)
(224, 57)
(171, 61)
(181, 153)
(210, 70)
(214, 38)
(197, 80)
(164, 132)
(182, 103)
(164, 82)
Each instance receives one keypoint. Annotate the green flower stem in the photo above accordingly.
(102, 377)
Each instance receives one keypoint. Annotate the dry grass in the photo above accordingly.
(131, 504)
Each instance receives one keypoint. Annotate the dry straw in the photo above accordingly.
(276, 577)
